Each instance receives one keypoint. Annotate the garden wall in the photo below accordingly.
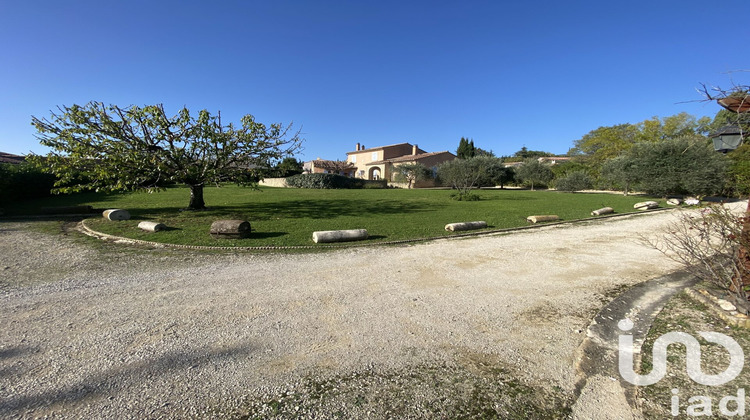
(274, 182)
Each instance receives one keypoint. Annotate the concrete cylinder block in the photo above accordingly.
(603, 210)
(542, 218)
(326, 236)
(646, 205)
(230, 229)
(151, 226)
(455, 227)
(116, 214)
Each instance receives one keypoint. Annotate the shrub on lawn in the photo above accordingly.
(331, 181)
(465, 197)
(574, 181)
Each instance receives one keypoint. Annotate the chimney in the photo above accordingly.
(358, 147)
(414, 149)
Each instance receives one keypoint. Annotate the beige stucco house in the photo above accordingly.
(381, 162)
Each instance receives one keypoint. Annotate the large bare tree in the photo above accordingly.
(109, 148)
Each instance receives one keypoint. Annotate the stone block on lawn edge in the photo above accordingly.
(646, 205)
(543, 218)
(116, 214)
(327, 236)
(151, 226)
(456, 227)
(230, 229)
(603, 210)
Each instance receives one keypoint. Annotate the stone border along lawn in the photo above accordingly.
(282, 218)
(729, 315)
(120, 239)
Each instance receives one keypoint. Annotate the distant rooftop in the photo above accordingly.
(11, 158)
(361, 148)
(408, 158)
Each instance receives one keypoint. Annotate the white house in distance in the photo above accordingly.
(381, 162)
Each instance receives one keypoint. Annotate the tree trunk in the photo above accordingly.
(196, 198)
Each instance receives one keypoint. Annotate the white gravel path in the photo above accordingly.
(117, 333)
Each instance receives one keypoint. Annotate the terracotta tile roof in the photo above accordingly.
(380, 148)
(408, 158)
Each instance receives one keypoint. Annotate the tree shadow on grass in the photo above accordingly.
(265, 235)
(515, 197)
(255, 235)
(299, 209)
(34, 206)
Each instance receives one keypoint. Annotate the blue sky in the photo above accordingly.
(539, 74)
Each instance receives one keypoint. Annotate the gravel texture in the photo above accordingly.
(453, 326)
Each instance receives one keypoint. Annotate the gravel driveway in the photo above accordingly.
(110, 331)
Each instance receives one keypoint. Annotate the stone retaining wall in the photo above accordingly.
(274, 182)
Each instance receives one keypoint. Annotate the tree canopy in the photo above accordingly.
(462, 175)
(533, 172)
(574, 181)
(739, 170)
(622, 172)
(109, 148)
(493, 172)
(290, 166)
(606, 143)
(685, 165)
(525, 153)
(466, 149)
(411, 173)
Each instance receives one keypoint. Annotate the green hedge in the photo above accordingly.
(331, 181)
(24, 181)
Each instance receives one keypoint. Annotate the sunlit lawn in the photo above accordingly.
(284, 217)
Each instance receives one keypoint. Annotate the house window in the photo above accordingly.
(354, 158)
(374, 156)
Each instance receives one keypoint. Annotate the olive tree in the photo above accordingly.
(493, 171)
(622, 171)
(574, 181)
(534, 172)
(462, 175)
(686, 165)
(411, 173)
(110, 148)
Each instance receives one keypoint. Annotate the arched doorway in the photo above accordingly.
(374, 173)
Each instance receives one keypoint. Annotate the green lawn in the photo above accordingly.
(285, 217)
